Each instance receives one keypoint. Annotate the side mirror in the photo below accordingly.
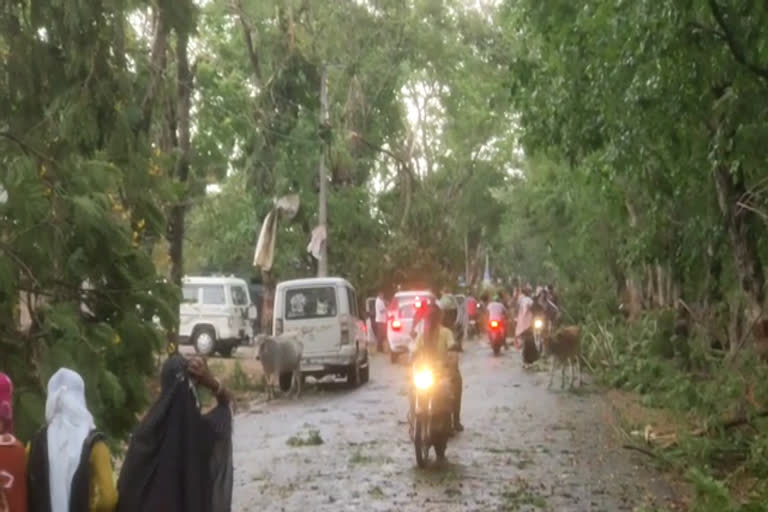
(253, 312)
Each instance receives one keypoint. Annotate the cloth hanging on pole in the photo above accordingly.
(319, 235)
(265, 248)
(264, 255)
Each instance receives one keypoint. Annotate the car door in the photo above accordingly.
(355, 322)
(214, 308)
(239, 301)
(189, 309)
(313, 312)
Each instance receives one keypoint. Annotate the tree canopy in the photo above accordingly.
(613, 148)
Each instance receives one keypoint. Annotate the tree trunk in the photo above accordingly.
(183, 91)
(178, 209)
(268, 302)
(739, 224)
(467, 277)
(649, 293)
(157, 61)
(633, 298)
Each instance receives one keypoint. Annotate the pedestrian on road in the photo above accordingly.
(381, 322)
(524, 313)
(13, 458)
(70, 467)
(179, 459)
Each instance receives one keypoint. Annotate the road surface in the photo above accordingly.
(524, 448)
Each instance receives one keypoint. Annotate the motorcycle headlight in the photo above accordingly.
(538, 323)
(423, 379)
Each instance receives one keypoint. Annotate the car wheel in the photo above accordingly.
(204, 341)
(353, 374)
(365, 373)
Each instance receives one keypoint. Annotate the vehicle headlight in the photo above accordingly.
(538, 323)
(423, 379)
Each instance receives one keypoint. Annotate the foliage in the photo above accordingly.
(312, 438)
(388, 221)
(647, 359)
(74, 160)
(643, 185)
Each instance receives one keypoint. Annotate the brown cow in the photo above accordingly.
(564, 346)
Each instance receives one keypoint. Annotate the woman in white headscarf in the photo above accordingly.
(70, 468)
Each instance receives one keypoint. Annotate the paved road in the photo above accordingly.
(524, 448)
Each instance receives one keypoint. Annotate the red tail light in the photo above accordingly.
(494, 324)
(396, 325)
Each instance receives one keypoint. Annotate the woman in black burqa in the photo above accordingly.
(180, 460)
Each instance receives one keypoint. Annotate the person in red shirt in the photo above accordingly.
(13, 457)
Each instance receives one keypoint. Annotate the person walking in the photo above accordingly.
(524, 314)
(70, 467)
(13, 457)
(381, 322)
(179, 459)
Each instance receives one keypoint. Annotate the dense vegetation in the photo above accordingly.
(615, 148)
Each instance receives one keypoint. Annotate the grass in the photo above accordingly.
(358, 457)
(521, 496)
(376, 493)
(312, 438)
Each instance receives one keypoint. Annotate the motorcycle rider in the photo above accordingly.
(437, 343)
(497, 311)
(450, 309)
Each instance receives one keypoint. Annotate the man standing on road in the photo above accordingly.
(524, 314)
(381, 322)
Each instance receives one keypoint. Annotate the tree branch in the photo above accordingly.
(737, 51)
(248, 36)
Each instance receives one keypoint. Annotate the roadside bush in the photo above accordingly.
(723, 400)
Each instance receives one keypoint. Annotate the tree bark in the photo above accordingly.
(157, 64)
(740, 228)
(739, 224)
(184, 84)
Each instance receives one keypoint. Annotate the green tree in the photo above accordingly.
(78, 290)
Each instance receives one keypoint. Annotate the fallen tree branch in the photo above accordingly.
(666, 440)
(742, 420)
(642, 450)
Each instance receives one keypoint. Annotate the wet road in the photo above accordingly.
(524, 448)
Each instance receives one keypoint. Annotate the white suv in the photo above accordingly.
(400, 316)
(324, 313)
(216, 314)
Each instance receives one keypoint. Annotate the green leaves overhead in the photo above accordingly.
(77, 288)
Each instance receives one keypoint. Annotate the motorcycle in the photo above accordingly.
(497, 335)
(432, 420)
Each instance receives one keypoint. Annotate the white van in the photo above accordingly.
(216, 314)
(324, 313)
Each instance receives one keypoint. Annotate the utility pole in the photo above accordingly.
(322, 263)
(467, 279)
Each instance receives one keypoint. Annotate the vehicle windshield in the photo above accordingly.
(303, 303)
